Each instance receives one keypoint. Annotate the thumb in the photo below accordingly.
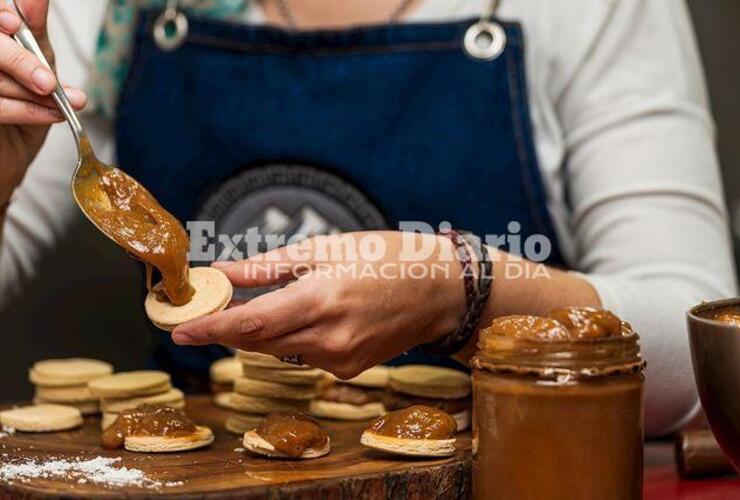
(270, 268)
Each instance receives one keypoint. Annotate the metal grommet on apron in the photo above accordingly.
(486, 39)
(171, 27)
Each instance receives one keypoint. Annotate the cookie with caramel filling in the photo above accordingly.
(155, 429)
(212, 293)
(288, 435)
(414, 431)
(343, 401)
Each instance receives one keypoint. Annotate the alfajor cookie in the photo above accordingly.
(74, 394)
(202, 437)
(263, 406)
(42, 418)
(131, 384)
(359, 398)
(283, 376)
(174, 398)
(376, 377)
(415, 431)
(155, 429)
(238, 423)
(85, 408)
(345, 411)
(288, 435)
(261, 388)
(68, 372)
(223, 372)
(459, 408)
(430, 382)
(261, 360)
(257, 444)
(409, 447)
(224, 400)
(213, 293)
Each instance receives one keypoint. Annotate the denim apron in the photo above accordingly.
(327, 131)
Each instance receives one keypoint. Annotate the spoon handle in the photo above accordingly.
(28, 42)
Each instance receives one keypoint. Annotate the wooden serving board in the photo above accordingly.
(350, 471)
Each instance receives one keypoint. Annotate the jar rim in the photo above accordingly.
(694, 314)
(577, 358)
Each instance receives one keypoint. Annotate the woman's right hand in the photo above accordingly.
(26, 107)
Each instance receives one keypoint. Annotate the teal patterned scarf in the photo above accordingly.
(113, 55)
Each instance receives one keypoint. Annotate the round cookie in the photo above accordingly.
(256, 444)
(77, 394)
(203, 436)
(261, 360)
(430, 382)
(131, 384)
(239, 424)
(86, 408)
(68, 372)
(42, 418)
(409, 447)
(174, 398)
(224, 400)
(263, 406)
(290, 377)
(345, 411)
(213, 293)
(225, 370)
(375, 378)
(261, 388)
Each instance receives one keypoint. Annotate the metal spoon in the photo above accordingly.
(86, 188)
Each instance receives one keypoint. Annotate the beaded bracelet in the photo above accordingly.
(477, 293)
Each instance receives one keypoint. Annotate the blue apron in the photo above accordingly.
(370, 125)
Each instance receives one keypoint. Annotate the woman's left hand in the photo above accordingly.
(359, 300)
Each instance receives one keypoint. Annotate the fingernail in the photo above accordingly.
(221, 263)
(76, 97)
(181, 338)
(9, 22)
(43, 79)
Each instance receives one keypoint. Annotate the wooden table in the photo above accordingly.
(349, 472)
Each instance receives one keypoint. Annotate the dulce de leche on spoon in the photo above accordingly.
(127, 213)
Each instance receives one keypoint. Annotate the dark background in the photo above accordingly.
(89, 301)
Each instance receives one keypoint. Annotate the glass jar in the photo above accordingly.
(557, 419)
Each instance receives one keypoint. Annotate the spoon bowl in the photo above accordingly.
(87, 188)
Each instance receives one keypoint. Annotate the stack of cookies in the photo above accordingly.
(359, 398)
(443, 388)
(223, 373)
(65, 382)
(127, 390)
(267, 385)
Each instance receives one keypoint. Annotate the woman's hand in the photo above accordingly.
(26, 107)
(360, 299)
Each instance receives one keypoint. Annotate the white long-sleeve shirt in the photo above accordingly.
(624, 140)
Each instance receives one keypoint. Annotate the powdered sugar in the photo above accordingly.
(99, 470)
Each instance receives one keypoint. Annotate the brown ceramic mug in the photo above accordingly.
(715, 353)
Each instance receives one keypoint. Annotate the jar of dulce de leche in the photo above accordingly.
(558, 408)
